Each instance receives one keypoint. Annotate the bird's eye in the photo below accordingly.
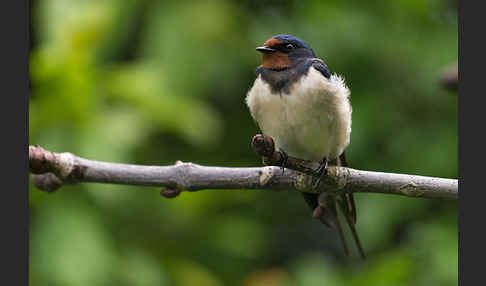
(289, 47)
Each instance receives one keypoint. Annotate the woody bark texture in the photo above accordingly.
(52, 170)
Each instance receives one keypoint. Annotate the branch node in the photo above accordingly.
(65, 165)
(170, 193)
(47, 182)
(40, 160)
(303, 183)
(263, 145)
(184, 171)
(411, 189)
(338, 177)
(266, 174)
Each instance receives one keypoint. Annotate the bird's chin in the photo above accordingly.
(275, 61)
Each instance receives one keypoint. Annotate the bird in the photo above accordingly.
(306, 110)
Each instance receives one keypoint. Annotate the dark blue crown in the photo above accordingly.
(288, 39)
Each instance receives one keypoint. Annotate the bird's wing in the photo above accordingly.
(319, 65)
(258, 71)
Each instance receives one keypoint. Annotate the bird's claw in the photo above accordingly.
(317, 212)
(285, 158)
(322, 170)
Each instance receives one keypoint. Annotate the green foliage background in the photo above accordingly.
(152, 82)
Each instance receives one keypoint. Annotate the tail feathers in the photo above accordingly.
(348, 208)
(351, 223)
(340, 231)
(329, 216)
(348, 198)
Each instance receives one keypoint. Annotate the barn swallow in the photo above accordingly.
(306, 110)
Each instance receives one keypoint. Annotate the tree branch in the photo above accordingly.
(52, 170)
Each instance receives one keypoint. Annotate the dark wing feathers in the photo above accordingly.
(319, 65)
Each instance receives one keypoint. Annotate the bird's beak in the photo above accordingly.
(265, 50)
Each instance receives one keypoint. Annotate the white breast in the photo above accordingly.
(311, 122)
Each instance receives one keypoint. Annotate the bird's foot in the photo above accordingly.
(317, 212)
(322, 170)
(285, 158)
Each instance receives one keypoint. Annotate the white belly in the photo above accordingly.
(312, 122)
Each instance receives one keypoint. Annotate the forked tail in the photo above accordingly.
(349, 210)
(327, 213)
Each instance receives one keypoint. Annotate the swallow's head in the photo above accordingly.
(282, 51)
